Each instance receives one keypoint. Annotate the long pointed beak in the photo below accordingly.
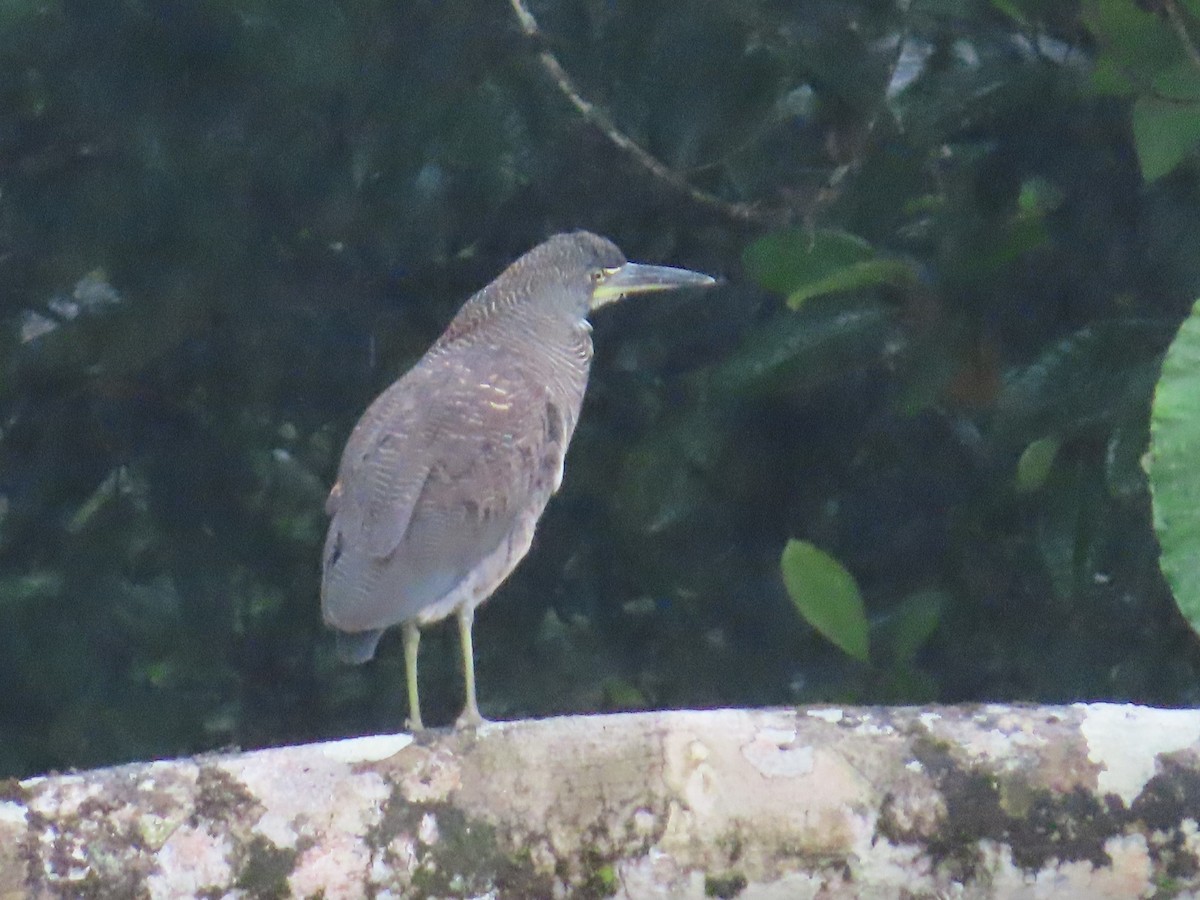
(637, 278)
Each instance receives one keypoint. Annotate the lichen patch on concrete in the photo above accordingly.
(1126, 765)
(831, 715)
(190, 860)
(775, 753)
(12, 814)
(334, 871)
(371, 748)
(429, 776)
(310, 795)
(998, 734)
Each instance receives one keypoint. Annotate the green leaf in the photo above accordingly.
(1166, 125)
(911, 624)
(1109, 79)
(1135, 44)
(1066, 523)
(1035, 463)
(1173, 471)
(788, 260)
(1038, 197)
(804, 264)
(794, 352)
(1180, 83)
(827, 596)
(859, 275)
(1090, 378)
(1020, 236)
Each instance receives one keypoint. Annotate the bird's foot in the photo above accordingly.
(470, 718)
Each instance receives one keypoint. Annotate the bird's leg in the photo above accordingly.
(470, 715)
(412, 641)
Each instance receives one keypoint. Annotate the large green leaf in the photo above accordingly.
(1166, 123)
(868, 273)
(1173, 466)
(1135, 44)
(827, 596)
(804, 263)
(794, 352)
(1090, 378)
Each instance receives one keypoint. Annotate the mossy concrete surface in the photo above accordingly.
(1080, 801)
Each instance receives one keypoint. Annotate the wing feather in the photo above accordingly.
(441, 470)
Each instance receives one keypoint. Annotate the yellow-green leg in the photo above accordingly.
(412, 641)
(470, 714)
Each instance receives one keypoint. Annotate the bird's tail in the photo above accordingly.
(358, 646)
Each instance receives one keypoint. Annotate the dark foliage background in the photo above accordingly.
(225, 226)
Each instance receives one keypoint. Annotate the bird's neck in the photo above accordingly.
(513, 316)
(544, 348)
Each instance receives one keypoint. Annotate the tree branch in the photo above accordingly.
(599, 119)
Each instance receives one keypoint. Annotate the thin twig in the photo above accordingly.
(598, 118)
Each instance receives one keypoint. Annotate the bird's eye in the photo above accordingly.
(597, 275)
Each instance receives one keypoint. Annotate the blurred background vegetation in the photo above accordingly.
(958, 237)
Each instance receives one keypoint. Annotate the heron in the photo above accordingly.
(443, 479)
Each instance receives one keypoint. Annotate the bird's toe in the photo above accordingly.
(470, 718)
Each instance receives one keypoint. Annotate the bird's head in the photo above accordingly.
(587, 272)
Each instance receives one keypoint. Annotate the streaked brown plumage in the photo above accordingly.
(444, 477)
